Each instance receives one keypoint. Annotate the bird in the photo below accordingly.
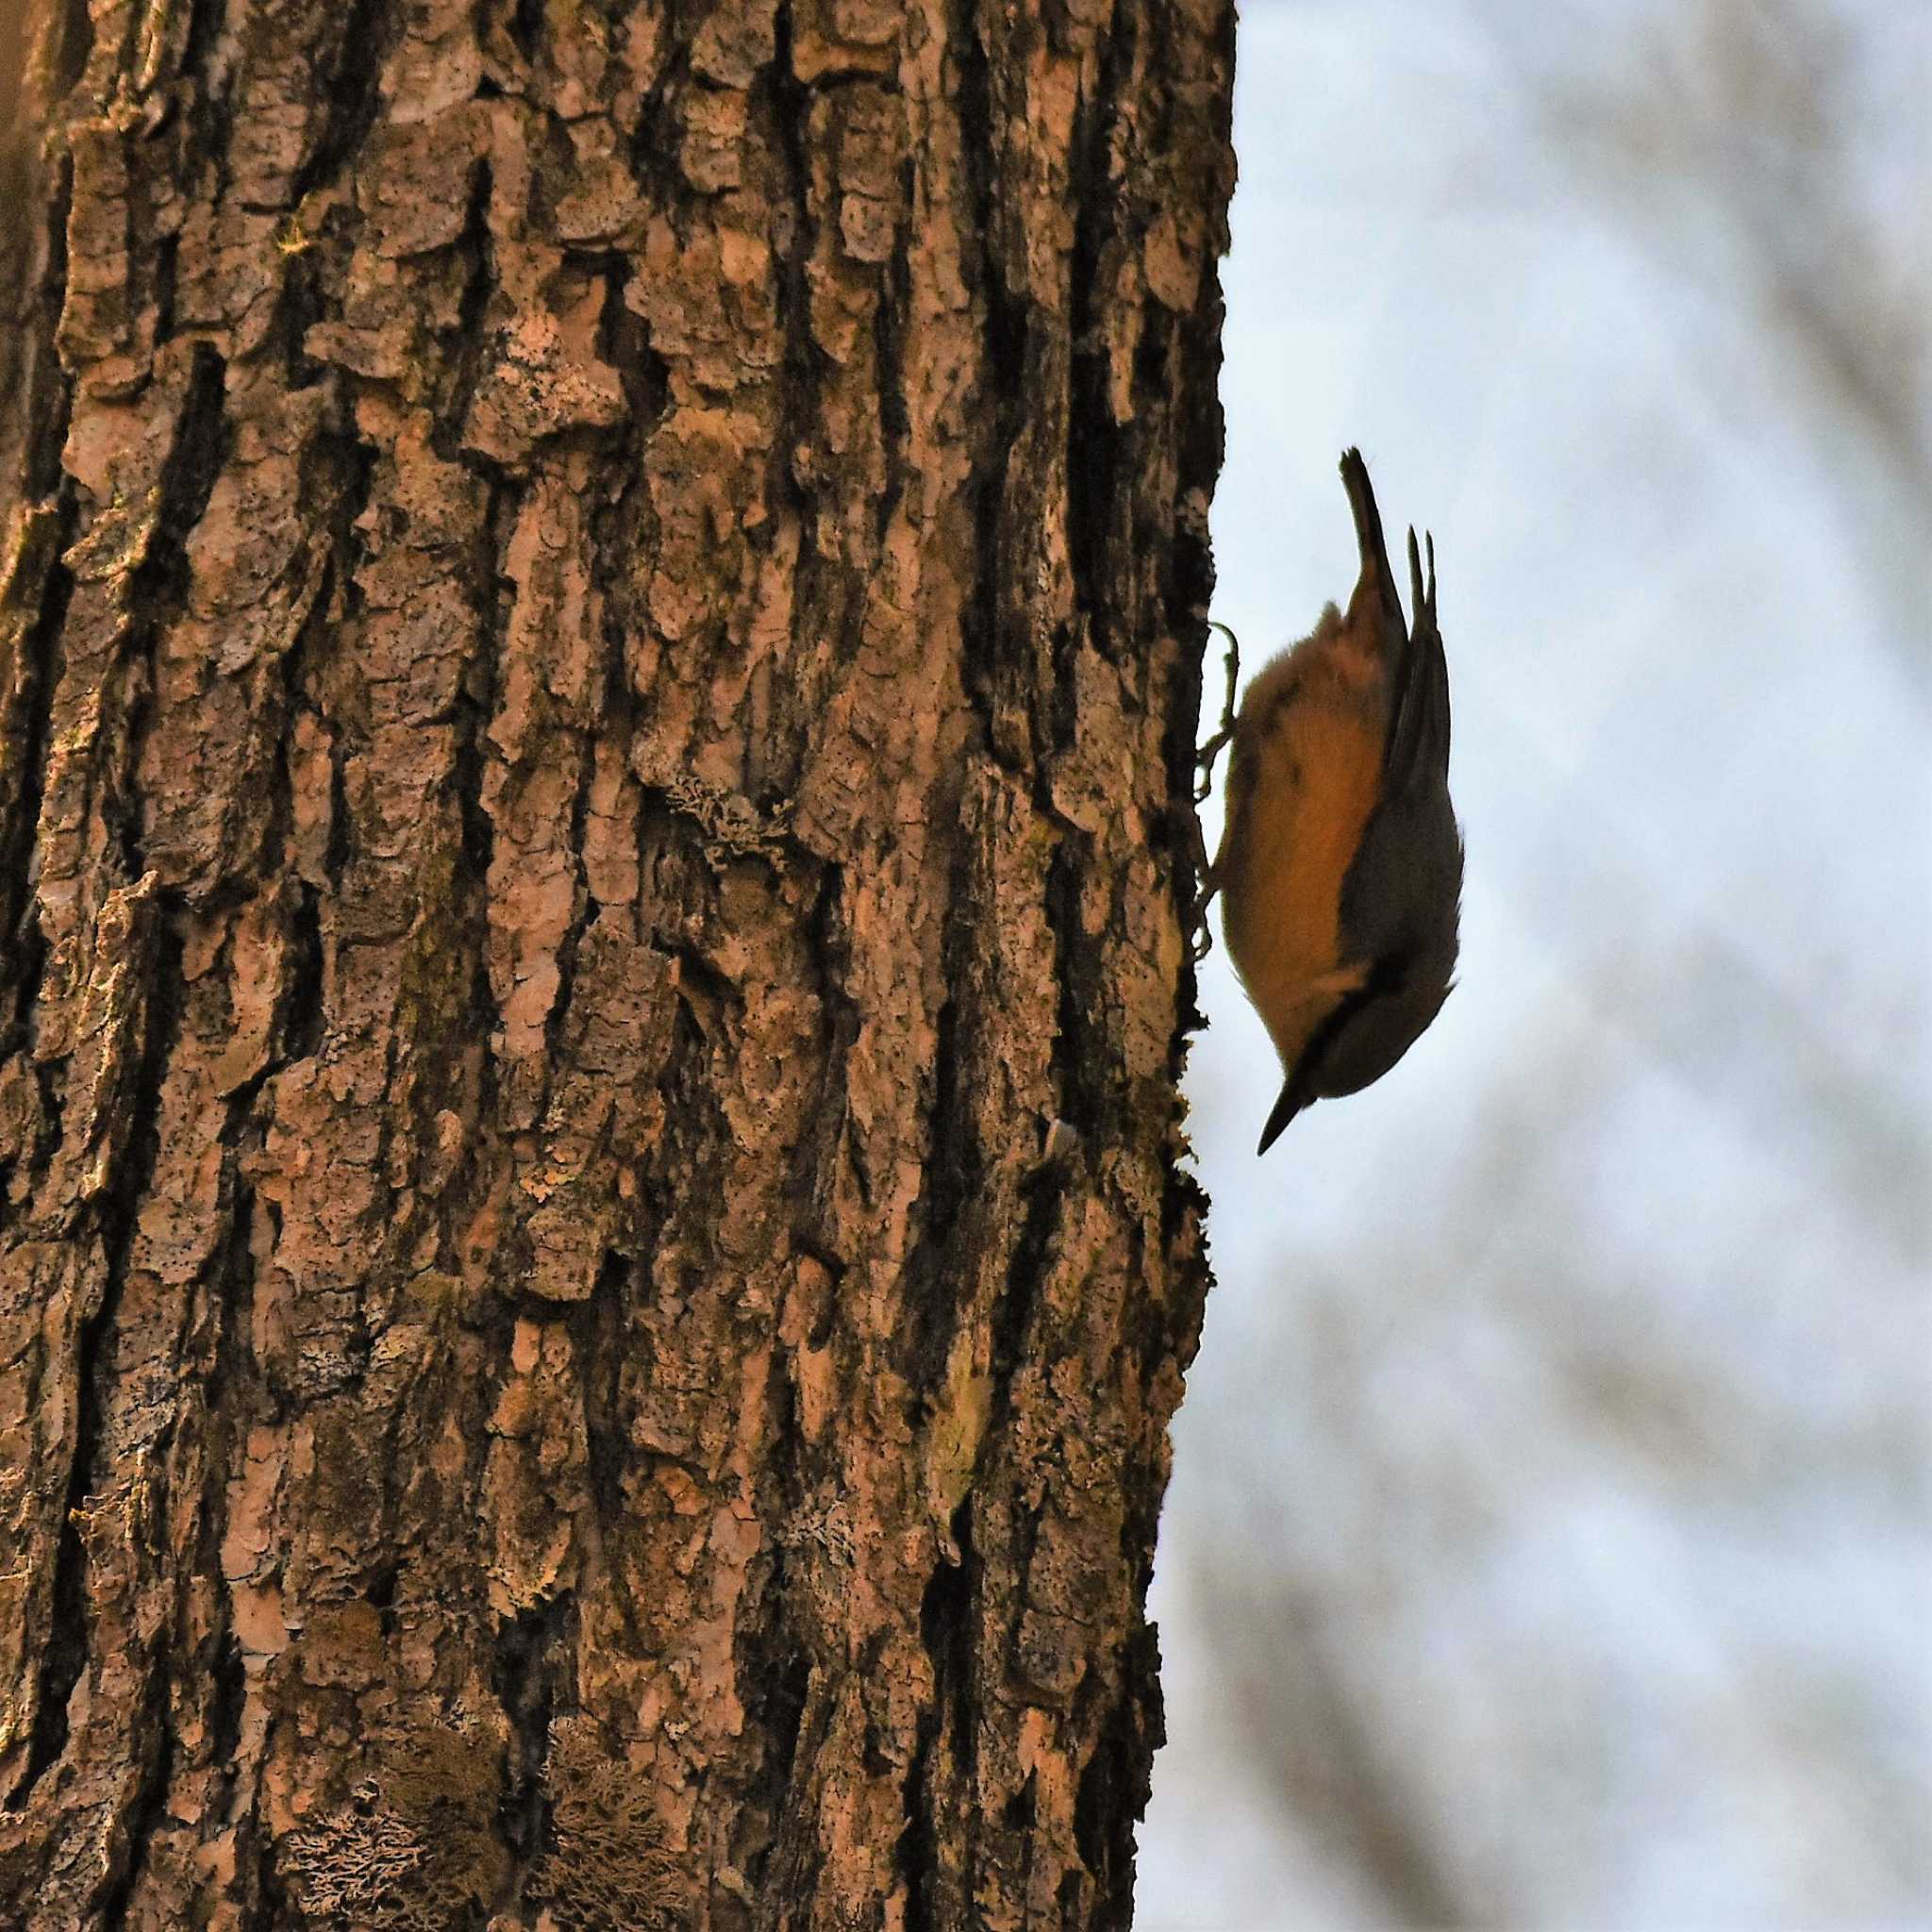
(1340, 870)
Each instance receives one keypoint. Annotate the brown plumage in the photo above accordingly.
(1340, 869)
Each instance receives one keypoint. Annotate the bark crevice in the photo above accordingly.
(110, 1222)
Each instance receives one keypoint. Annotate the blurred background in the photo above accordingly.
(1549, 1541)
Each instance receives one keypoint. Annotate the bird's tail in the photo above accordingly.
(1377, 581)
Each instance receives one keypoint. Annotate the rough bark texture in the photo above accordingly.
(598, 661)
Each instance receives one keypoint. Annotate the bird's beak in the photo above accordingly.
(1291, 1103)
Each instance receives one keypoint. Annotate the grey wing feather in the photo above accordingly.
(1418, 747)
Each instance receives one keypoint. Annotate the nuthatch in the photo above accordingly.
(1341, 868)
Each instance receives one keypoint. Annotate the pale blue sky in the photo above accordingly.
(1568, 1391)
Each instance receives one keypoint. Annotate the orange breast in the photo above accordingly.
(1309, 778)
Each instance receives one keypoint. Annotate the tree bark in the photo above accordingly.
(598, 664)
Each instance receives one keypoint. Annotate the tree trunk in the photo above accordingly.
(599, 659)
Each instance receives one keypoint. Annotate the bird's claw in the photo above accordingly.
(1201, 941)
(1205, 754)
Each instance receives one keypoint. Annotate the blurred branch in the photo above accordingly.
(1738, 139)
(1383, 1459)
(1693, 1000)
(1330, 1761)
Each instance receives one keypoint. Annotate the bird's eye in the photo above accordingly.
(1370, 1029)
(1387, 977)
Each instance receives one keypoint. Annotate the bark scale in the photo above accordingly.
(598, 662)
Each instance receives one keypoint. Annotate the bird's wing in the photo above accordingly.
(1418, 747)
